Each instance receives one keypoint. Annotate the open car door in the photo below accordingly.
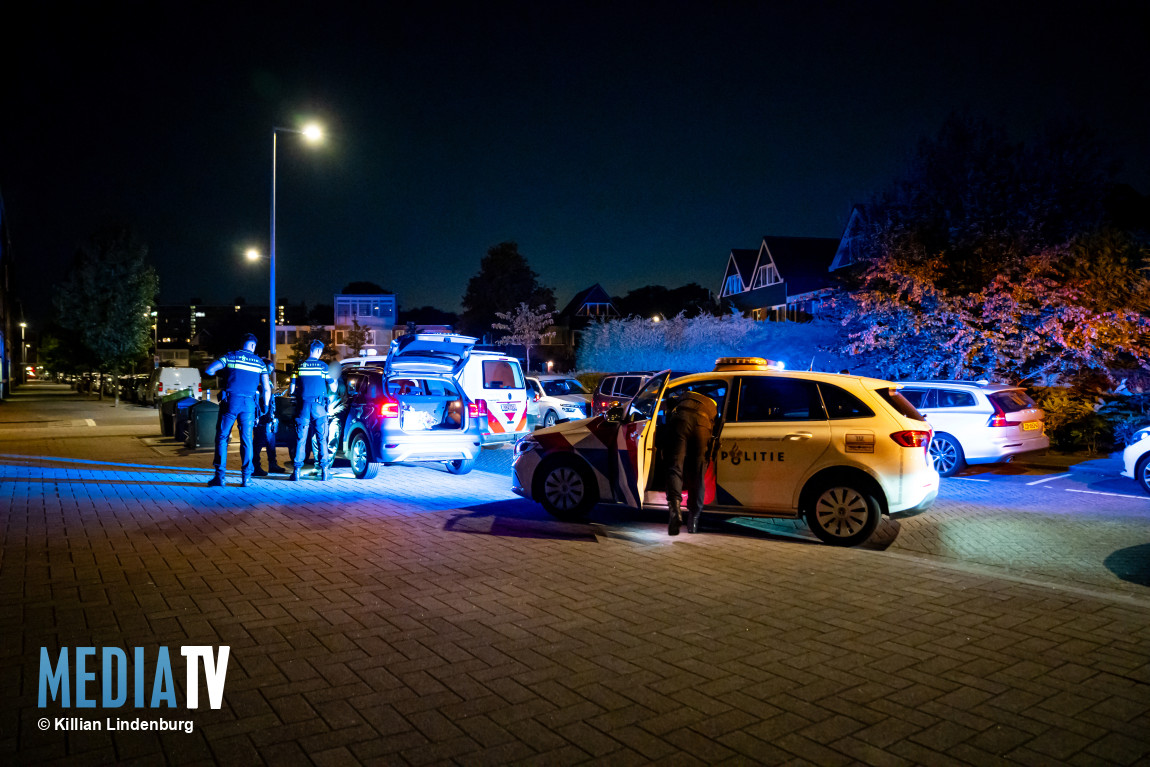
(636, 441)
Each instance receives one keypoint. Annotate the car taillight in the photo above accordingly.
(911, 438)
(389, 409)
(536, 397)
(999, 417)
(159, 388)
(200, 388)
(477, 408)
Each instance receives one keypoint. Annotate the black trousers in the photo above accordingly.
(265, 438)
(687, 457)
(235, 408)
(313, 414)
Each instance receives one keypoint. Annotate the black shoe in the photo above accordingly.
(674, 520)
(275, 468)
(243, 481)
(693, 521)
(294, 476)
(258, 472)
(216, 482)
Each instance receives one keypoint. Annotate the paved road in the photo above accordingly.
(425, 618)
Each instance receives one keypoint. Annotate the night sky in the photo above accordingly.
(621, 143)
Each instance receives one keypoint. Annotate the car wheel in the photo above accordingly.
(462, 466)
(1142, 472)
(842, 515)
(947, 455)
(550, 419)
(566, 490)
(359, 453)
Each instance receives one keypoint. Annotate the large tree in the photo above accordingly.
(504, 281)
(988, 259)
(106, 297)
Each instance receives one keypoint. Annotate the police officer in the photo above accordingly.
(245, 379)
(310, 387)
(267, 424)
(688, 452)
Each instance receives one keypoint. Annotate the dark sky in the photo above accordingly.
(620, 143)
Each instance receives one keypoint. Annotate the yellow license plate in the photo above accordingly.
(1032, 425)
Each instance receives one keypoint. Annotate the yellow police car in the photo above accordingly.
(836, 450)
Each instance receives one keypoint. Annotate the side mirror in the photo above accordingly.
(616, 414)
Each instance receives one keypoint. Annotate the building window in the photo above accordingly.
(734, 285)
(767, 275)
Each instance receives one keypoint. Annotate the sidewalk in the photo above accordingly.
(424, 618)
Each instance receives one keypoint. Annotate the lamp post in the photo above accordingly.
(23, 355)
(311, 133)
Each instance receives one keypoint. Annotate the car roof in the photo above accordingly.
(806, 375)
(981, 385)
(552, 377)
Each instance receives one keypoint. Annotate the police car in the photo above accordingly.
(836, 450)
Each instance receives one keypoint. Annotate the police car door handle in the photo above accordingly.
(796, 435)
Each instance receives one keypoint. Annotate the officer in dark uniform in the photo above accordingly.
(245, 380)
(310, 387)
(267, 424)
(688, 452)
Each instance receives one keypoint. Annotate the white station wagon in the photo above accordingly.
(837, 450)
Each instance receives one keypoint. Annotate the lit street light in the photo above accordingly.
(23, 355)
(312, 133)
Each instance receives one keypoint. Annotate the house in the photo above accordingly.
(786, 278)
(585, 307)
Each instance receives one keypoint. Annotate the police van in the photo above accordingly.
(492, 382)
(836, 450)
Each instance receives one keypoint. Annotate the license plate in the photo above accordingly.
(508, 407)
(1032, 425)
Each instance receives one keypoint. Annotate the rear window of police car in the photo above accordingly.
(501, 374)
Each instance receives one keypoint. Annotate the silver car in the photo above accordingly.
(557, 398)
(977, 421)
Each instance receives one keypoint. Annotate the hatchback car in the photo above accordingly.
(977, 422)
(617, 389)
(397, 415)
(1136, 459)
(558, 398)
(837, 450)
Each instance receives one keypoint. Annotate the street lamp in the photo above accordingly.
(23, 355)
(312, 133)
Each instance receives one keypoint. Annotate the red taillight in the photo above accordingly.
(911, 438)
(998, 419)
(200, 388)
(159, 388)
(389, 409)
(477, 408)
(536, 397)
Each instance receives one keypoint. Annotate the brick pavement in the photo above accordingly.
(423, 618)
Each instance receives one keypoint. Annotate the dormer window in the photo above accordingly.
(766, 275)
(734, 285)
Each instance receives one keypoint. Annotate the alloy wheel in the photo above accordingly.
(841, 511)
(564, 488)
(944, 454)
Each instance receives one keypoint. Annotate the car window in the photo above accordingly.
(767, 398)
(841, 404)
(642, 407)
(403, 386)
(715, 389)
(372, 390)
(627, 386)
(438, 388)
(562, 387)
(1012, 400)
(900, 403)
(955, 398)
(501, 374)
(919, 398)
(605, 385)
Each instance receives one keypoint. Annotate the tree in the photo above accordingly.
(504, 279)
(987, 260)
(691, 299)
(356, 337)
(362, 288)
(524, 325)
(106, 297)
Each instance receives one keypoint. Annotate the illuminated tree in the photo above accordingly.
(524, 325)
(356, 339)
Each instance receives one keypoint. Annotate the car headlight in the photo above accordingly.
(525, 445)
(1140, 435)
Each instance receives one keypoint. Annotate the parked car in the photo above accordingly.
(837, 450)
(977, 422)
(492, 381)
(617, 389)
(165, 381)
(1136, 459)
(558, 398)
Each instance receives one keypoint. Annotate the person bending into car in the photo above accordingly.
(687, 452)
(310, 387)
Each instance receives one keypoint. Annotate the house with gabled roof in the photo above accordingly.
(786, 278)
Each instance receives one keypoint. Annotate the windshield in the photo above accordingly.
(559, 388)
